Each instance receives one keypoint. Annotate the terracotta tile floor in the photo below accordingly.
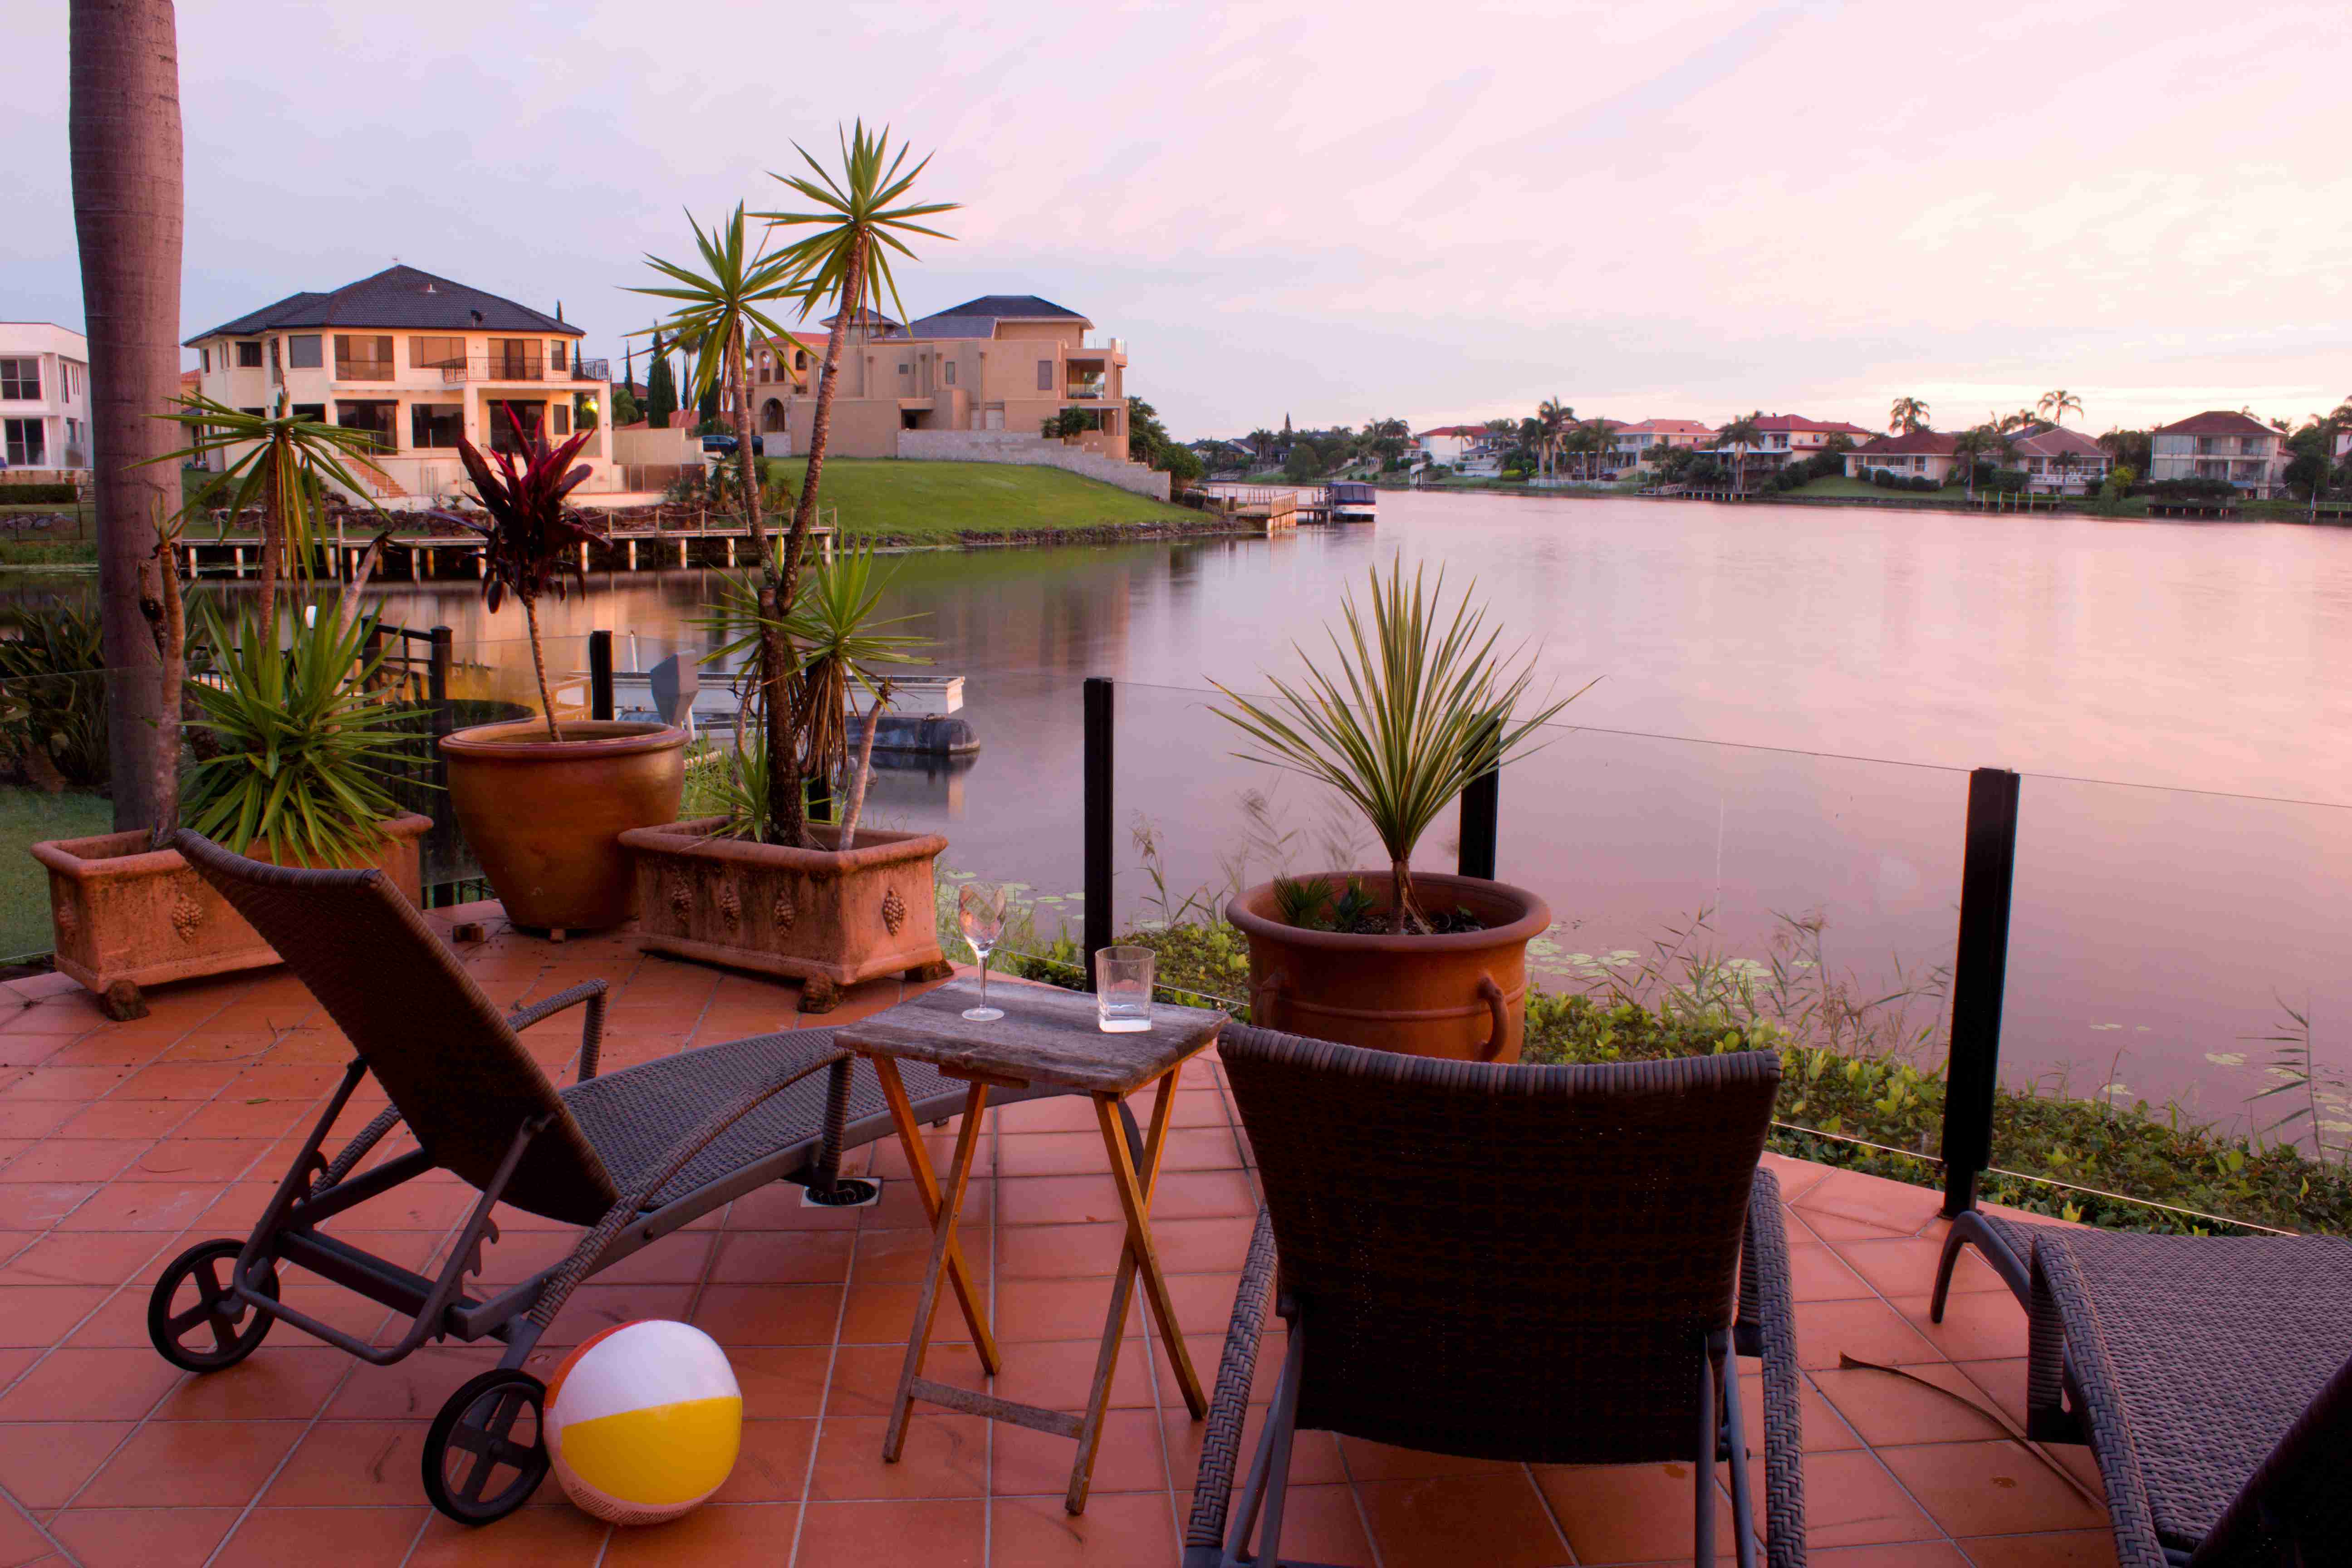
(121, 1144)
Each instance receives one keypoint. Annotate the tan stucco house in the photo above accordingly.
(1000, 363)
(419, 360)
(2217, 445)
(1928, 453)
(44, 401)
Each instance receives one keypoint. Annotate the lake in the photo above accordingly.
(1786, 703)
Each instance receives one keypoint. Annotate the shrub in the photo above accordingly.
(1922, 482)
(53, 696)
(2192, 489)
(39, 495)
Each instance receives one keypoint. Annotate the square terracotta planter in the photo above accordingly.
(127, 916)
(826, 918)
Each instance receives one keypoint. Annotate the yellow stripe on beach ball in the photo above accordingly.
(644, 1422)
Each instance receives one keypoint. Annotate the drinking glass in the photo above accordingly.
(979, 912)
(1123, 990)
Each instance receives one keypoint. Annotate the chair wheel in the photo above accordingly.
(486, 1452)
(195, 1321)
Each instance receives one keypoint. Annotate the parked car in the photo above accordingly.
(724, 445)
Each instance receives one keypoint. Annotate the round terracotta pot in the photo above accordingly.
(1462, 995)
(545, 816)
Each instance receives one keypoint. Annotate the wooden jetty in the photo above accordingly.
(422, 556)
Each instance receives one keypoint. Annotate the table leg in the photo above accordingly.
(943, 1250)
(1139, 1257)
(927, 1186)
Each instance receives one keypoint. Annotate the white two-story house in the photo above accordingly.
(2215, 445)
(418, 361)
(44, 401)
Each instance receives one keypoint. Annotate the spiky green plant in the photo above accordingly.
(1420, 706)
(279, 463)
(1302, 904)
(307, 750)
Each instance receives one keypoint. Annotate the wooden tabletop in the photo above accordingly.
(1046, 1035)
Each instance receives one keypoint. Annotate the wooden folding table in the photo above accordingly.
(1046, 1037)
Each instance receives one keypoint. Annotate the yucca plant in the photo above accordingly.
(1420, 706)
(282, 470)
(306, 752)
(528, 533)
(834, 648)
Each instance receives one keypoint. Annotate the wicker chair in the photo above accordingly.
(633, 1155)
(1523, 1263)
(2210, 1375)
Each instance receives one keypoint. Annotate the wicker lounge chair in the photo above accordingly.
(633, 1155)
(1520, 1263)
(2210, 1375)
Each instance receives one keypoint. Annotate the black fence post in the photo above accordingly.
(436, 677)
(1979, 973)
(1481, 809)
(1097, 819)
(600, 675)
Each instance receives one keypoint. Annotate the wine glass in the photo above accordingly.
(979, 912)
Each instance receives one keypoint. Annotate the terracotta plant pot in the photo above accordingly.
(545, 816)
(823, 917)
(1463, 996)
(127, 916)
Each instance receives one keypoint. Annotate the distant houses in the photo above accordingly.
(2059, 461)
(1628, 442)
(1916, 453)
(2234, 447)
(1450, 444)
(44, 401)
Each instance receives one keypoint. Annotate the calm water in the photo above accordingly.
(1786, 705)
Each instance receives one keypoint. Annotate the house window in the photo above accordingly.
(435, 424)
(363, 358)
(28, 442)
(276, 371)
(310, 413)
(73, 378)
(767, 364)
(555, 361)
(902, 367)
(437, 354)
(375, 418)
(559, 419)
(302, 351)
(248, 356)
(20, 380)
(949, 373)
(502, 432)
(800, 359)
(1045, 376)
(207, 354)
(513, 359)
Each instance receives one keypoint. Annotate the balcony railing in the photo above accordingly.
(592, 370)
(454, 373)
(1086, 389)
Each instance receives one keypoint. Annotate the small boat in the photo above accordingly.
(1352, 503)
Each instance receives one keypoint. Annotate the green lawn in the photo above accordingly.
(884, 498)
(27, 817)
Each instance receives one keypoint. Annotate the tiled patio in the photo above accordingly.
(121, 1144)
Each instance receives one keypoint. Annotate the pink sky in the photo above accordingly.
(1340, 213)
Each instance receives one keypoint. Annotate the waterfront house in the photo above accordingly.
(1779, 438)
(1000, 363)
(2217, 445)
(1628, 442)
(1918, 453)
(1451, 444)
(44, 401)
(417, 360)
(783, 371)
(2059, 461)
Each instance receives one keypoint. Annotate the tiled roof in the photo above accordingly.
(1795, 422)
(978, 317)
(1453, 430)
(402, 298)
(2051, 440)
(1666, 427)
(2215, 422)
(1929, 443)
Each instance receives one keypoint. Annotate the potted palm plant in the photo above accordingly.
(298, 770)
(1429, 965)
(543, 803)
(843, 903)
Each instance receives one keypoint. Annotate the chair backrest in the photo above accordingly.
(1504, 1261)
(458, 1074)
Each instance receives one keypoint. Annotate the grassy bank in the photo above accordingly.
(1863, 1100)
(27, 817)
(943, 503)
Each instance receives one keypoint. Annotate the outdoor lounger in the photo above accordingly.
(2210, 1375)
(632, 1155)
(1507, 1262)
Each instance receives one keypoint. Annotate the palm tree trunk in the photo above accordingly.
(273, 540)
(785, 792)
(538, 668)
(123, 128)
(864, 771)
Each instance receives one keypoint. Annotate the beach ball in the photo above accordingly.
(644, 1421)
